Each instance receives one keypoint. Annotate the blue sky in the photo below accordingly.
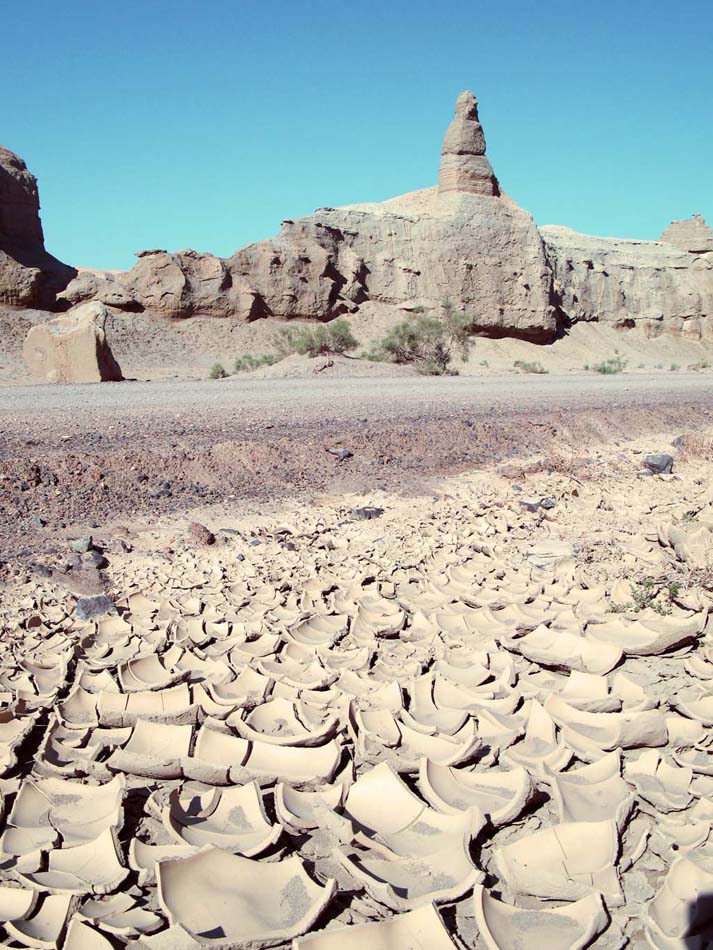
(184, 124)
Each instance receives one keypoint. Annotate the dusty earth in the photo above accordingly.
(492, 695)
(149, 346)
(78, 459)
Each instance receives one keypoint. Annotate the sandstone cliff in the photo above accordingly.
(652, 284)
(29, 276)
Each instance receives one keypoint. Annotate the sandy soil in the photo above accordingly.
(77, 458)
(151, 347)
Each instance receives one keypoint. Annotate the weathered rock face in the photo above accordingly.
(463, 241)
(72, 348)
(464, 167)
(692, 235)
(29, 276)
(650, 284)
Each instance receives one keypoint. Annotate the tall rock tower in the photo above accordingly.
(464, 165)
(29, 276)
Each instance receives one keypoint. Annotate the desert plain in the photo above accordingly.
(330, 653)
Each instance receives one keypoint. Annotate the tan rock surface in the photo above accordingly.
(649, 284)
(72, 348)
(692, 235)
(464, 167)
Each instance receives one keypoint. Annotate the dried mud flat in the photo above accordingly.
(472, 716)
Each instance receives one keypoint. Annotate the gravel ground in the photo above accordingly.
(74, 458)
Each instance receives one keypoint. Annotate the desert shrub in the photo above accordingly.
(695, 367)
(608, 367)
(525, 367)
(218, 371)
(674, 367)
(650, 594)
(325, 338)
(244, 364)
(429, 342)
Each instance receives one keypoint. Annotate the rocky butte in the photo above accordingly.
(463, 240)
(29, 276)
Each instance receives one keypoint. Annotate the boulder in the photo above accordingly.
(72, 348)
(29, 276)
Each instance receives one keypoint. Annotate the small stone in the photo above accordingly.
(530, 504)
(548, 503)
(82, 545)
(38, 521)
(660, 463)
(94, 559)
(366, 513)
(201, 534)
(341, 454)
(162, 490)
(87, 608)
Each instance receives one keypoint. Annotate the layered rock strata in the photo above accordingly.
(464, 166)
(654, 285)
(29, 276)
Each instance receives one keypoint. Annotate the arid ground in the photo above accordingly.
(466, 663)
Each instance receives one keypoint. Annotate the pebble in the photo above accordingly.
(88, 608)
(82, 545)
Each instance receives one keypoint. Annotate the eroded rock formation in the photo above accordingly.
(464, 166)
(692, 235)
(656, 285)
(29, 276)
(72, 348)
(462, 241)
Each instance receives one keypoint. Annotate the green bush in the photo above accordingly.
(427, 341)
(615, 364)
(218, 371)
(524, 367)
(244, 364)
(325, 338)
(674, 367)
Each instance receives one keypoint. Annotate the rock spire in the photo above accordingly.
(464, 165)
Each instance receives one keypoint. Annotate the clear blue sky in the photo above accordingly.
(203, 124)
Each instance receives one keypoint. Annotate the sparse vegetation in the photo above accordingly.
(650, 594)
(696, 367)
(218, 371)
(674, 367)
(485, 363)
(322, 340)
(244, 364)
(608, 367)
(429, 342)
(525, 367)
